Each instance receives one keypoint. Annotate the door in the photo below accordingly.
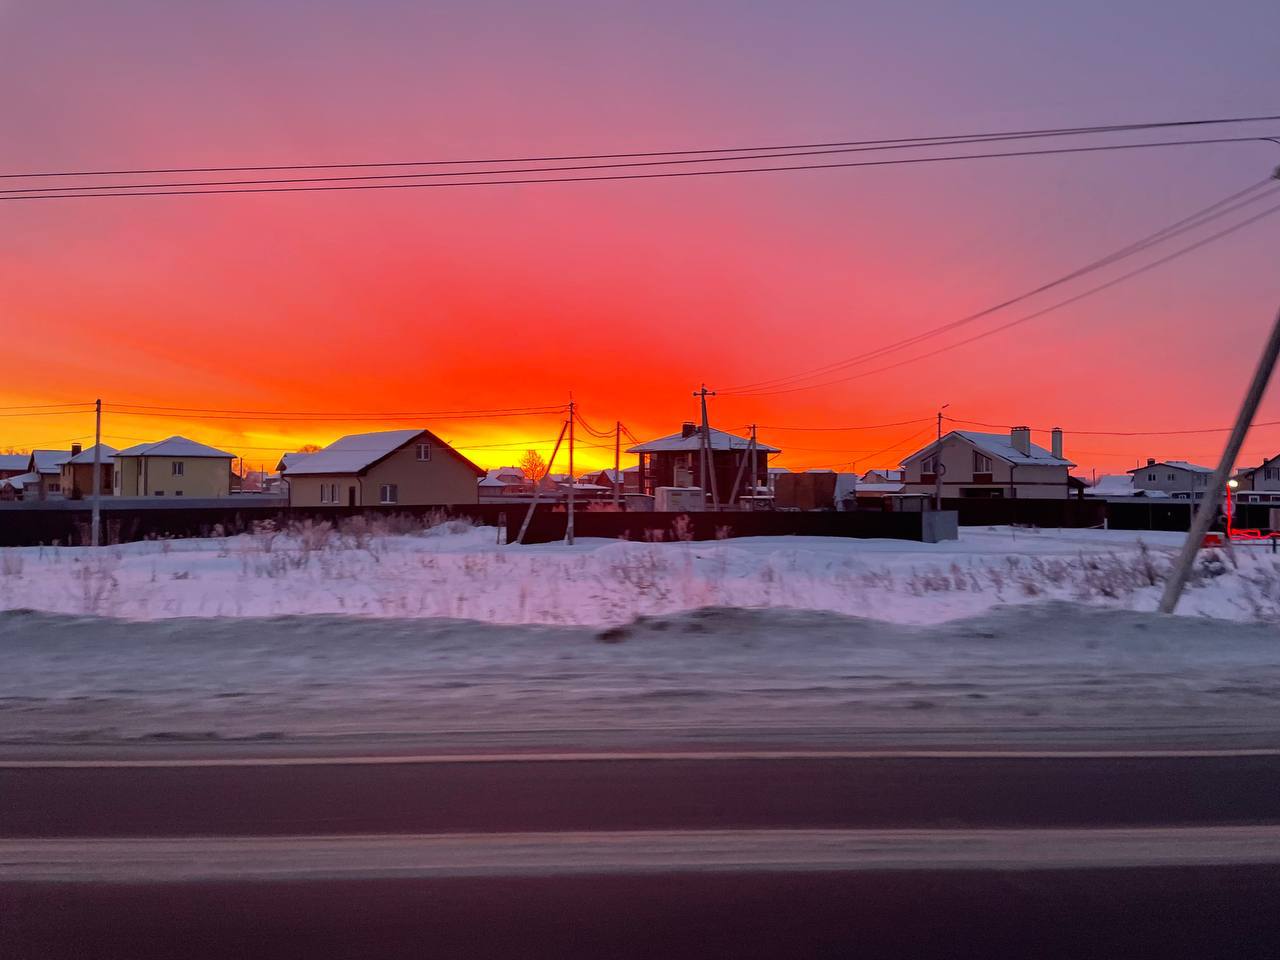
(351, 496)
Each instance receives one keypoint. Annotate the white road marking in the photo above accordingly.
(184, 859)
(312, 760)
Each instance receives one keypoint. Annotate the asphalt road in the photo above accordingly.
(894, 856)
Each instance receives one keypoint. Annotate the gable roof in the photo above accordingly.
(679, 443)
(1176, 464)
(357, 452)
(86, 455)
(14, 461)
(21, 480)
(48, 461)
(999, 445)
(288, 460)
(173, 447)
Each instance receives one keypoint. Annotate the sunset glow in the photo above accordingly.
(625, 295)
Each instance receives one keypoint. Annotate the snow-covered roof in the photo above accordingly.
(353, 453)
(498, 473)
(21, 480)
(679, 443)
(1111, 485)
(779, 469)
(14, 461)
(879, 487)
(490, 482)
(86, 455)
(1176, 464)
(884, 476)
(288, 460)
(49, 461)
(1000, 445)
(173, 447)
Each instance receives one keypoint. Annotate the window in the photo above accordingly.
(176, 468)
(1151, 477)
(1171, 477)
(324, 493)
(389, 493)
(333, 493)
(1273, 473)
(927, 465)
(981, 463)
(157, 493)
(424, 452)
(55, 487)
(177, 493)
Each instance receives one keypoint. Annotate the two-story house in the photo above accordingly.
(1178, 478)
(1260, 484)
(990, 465)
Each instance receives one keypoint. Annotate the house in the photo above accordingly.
(1178, 478)
(405, 467)
(13, 464)
(991, 465)
(676, 461)
(173, 467)
(11, 488)
(47, 465)
(610, 480)
(290, 460)
(504, 482)
(77, 472)
(1260, 484)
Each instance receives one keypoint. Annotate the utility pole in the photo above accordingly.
(708, 469)
(937, 463)
(1208, 508)
(95, 523)
(617, 463)
(573, 482)
(537, 485)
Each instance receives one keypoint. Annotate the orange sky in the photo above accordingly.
(627, 295)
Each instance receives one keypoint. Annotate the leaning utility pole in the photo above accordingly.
(537, 484)
(708, 468)
(95, 523)
(573, 482)
(1208, 508)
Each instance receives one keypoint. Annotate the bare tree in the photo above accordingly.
(309, 448)
(532, 465)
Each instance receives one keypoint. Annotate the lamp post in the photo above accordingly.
(1231, 485)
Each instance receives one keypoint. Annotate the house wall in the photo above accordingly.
(444, 479)
(79, 476)
(1024, 481)
(1266, 477)
(1172, 480)
(153, 476)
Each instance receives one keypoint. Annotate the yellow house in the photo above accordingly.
(77, 472)
(406, 467)
(176, 467)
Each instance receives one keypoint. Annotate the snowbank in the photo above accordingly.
(462, 572)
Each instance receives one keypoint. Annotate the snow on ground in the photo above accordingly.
(462, 572)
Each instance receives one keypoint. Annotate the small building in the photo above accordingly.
(676, 461)
(13, 464)
(883, 476)
(405, 467)
(47, 466)
(173, 467)
(12, 488)
(991, 465)
(77, 472)
(1178, 478)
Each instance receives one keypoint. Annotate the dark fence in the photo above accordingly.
(67, 522)
(548, 527)
(1027, 512)
(1149, 514)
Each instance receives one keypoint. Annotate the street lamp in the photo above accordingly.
(1231, 485)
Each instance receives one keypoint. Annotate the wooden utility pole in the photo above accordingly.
(937, 463)
(573, 481)
(617, 463)
(1208, 508)
(708, 468)
(95, 522)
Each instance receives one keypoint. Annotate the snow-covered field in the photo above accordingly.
(462, 572)
(1007, 636)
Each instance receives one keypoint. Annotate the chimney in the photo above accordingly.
(1056, 446)
(1020, 437)
(1151, 461)
(688, 429)
(75, 449)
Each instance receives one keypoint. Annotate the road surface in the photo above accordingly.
(732, 853)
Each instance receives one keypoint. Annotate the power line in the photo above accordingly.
(1115, 433)
(49, 406)
(523, 181)
(1038, 313)
(328, 413)
(1202, 217)
(868, 426)
(942, 138)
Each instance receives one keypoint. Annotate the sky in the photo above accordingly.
(628, 296)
